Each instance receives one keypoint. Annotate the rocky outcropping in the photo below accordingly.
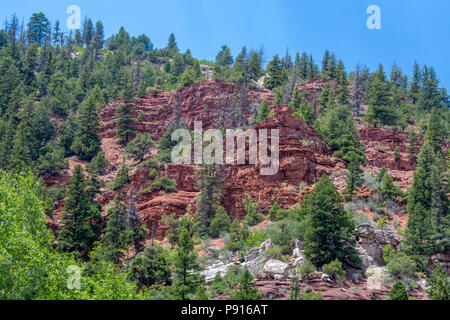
(371, 242)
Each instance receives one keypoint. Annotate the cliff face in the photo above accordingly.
(303, 156)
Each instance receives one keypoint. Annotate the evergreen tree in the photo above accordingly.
(354, 176)
(186, 278)
(220, 223)
(359, 79)
(172, 44)
(415, 87)
(224, 57)
(87, 141)
(435, 132)
(427, 207)
(303, 109)
(413, 147)
(439, 284)
(276, 75)
(380, 110)
(340, 133)
(253, 217)
(122, 179)
(247, 289)
(150, 268)
(38, 28)
(211, 185)
(125, 119)
(330, 233)
(273, 213)
(80, 222)
(140, 146)
(263, 112)
(398, 291)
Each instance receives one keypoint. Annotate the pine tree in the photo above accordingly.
(439, 284)
(398, 291)
(412, 148)
(122, 179)
(220, 223)
(149, 268)
(224, 57)
(125, 119)
(247, 289)
(38, 28)
(303, 109)
(435, 132)
(427, 206)
(340, 133)
(359, 79)
(263, 112)
(87, 140)
(276, 75)
(172, 44)
(415, 88)
(253, 217)
(330, 233)
(80, 222)
(354, 176)
(186, 278)
(380, 110)
(211, 185)
(273, 213)
(140, 146)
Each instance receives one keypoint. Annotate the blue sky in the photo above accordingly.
(411, 29)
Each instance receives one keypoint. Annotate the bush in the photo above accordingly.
(253, 217)
(164, 184)
(221, 222)
(398, 291)
(401, 265)
(313, 296)
(307, 270)
(334, 269)
(153, 174)
(273, 213)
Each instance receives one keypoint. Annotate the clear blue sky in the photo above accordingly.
(411, 29)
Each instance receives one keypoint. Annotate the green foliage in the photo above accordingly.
(253, 217)
(86, 143)
(122, 179)
(152, 174)
(220, 223)
(401, 265)
(247, 289)
(139, 147)
(273, 213)
(263, 112)
(330, 233)
(307, 270)
(32, 269)
(276, 74)
(354, 176)
(98, 164)
(340, 133)
(186, 278)
(164, 184)
(80, 222)
(150, 268)
(398, 291)
(334, 269)
(439, 284)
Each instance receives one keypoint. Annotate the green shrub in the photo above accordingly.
(401, 265)
(398, 291)
(253, 217)
(307, 270)
(221, 222)
(334, 269)
(164, 184)
(153, 174)
(313, 296)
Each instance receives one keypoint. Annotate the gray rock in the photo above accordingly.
(325, 277)
(275, 268)
(210, 272)
(255, 259)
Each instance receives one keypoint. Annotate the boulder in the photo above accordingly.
(276, 269)
(211, 271)
(255, 259)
